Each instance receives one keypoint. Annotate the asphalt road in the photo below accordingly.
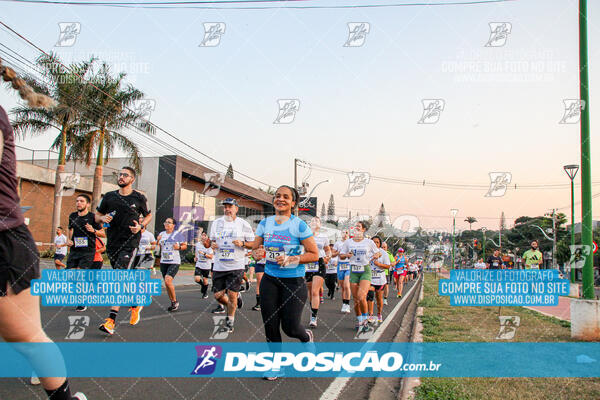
(193, 322)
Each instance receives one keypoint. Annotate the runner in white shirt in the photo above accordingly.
(231, 237)
(378, 282)
(60, 245)
(315, 272)
(331, 274)
(143, 258)
(360, 251)
(203, 256)
(171, 242)
(343, 273)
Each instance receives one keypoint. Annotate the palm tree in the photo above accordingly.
(111, 112)
(67, 88)
(470, 221)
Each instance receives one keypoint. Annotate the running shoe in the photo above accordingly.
(79, 396)
(313, 322)
(135, 315)
(385, 303)
(379, 318)
(205, 296)
(247, 285)
(219, 310)
(346, 308)
(357, 324)
(229, 325)
(365, 328)
(372, 319)
(108, 326)
(311, 337)
(399, 295)
(174, 306)
(256, 307)
(80, 308)
(240, 302)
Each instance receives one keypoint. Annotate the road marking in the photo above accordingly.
(337, 386)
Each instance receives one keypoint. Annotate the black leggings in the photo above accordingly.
(330, 281)
(281, 303)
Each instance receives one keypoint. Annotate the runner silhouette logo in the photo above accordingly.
(207, 359)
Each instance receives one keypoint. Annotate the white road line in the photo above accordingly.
(337, 386)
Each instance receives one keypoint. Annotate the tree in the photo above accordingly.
(109, 112)
(331, 207)
(470, 221)
(229, 173)
(66, 86)
(323, 213)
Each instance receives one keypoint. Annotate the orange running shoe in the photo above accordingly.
(135, 315)
(108, 326)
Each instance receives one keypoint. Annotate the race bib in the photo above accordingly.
(226, 253)
(81, 241)
(167, 256)
(344, 267)
(358, 268)
(331, 269)
(272, 253)
(495, 263)
(377, 274)
(312, 267)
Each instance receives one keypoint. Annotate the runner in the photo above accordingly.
(494, 261)
(100, 248)
(360, 251)
(400, 273)
(171, 242)
(259, 271)
(331, 274)
(120, 211)
(378, 282)
(19, 258)
(231, 236)
(60, 248)
(283, 291)
(144, 259)
(533, 257)
(343, 273)
(82, 237)
(203, 257)
(315, 271)
(388, 274)
(247, 260)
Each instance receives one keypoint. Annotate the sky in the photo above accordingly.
(359, 105)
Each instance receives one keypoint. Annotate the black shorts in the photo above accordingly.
(19, 259)
(169, 269)
(259, 268)
(59, 257)
(96, 264)
(82, 260)
(378, 288)
(321, 272)
(122, 258)
(205, 273)
(227, 280)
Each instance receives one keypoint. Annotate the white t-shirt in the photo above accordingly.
(60, 239)
(229, 257)
(203, 262)
(361, 253)
(168, 255)
(377, 274)
(321, 240)
(145, 242)
(338, 247)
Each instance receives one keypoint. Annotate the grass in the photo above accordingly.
(445, 323)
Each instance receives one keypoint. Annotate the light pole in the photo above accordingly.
(571, 171)
(484, 240)
(453, 211)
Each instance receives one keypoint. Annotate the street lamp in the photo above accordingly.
(453, 211)
(571, 171)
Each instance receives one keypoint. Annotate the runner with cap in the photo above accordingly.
(343, 273)
(230, 236)
(400, 271)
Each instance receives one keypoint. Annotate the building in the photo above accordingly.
(175, 187)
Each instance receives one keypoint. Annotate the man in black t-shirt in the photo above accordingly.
(83, 229)
(120, 211)
(495, 261)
